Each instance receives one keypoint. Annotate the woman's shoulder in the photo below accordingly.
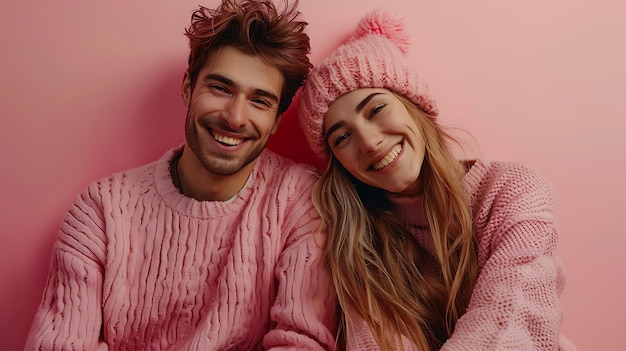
(496, 169)
(508, 186)
(504, 176)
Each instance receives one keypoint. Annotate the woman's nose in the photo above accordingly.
(370, 138)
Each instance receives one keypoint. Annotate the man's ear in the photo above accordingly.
(185, 90)
(276, 124)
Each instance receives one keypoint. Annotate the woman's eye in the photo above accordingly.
(376, 110)
(340, 138)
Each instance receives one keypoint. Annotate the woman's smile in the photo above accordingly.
(390, 157)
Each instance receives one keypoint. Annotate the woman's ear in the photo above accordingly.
(185, 90)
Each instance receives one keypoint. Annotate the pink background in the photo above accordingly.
(92, 87)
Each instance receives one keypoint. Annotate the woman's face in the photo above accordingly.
(371, 133)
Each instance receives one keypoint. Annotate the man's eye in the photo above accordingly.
(218, 88)
(261, 102)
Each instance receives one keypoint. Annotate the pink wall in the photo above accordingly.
(89, 88)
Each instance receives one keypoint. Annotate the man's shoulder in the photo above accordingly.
(138, 175)
(130, 173)
(278, 165)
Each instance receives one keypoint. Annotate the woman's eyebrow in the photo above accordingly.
(364, 102)
(358, 109)
(334, 127)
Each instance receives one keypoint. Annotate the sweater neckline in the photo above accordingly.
(404, 206)
(188, 206)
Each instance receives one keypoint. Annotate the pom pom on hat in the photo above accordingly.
(373, 57)
(386, 24)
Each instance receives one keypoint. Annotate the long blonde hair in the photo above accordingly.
(376, 261)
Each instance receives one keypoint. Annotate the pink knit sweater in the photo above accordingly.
(138, 266)
(515, 303)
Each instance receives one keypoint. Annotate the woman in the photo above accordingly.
(427, 252)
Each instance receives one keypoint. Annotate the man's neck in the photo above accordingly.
(193, 180)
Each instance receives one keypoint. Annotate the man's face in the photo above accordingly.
(231, 110)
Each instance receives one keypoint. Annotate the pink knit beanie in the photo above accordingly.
(374, 57)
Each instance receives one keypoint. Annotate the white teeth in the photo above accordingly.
(388, 159)
(227, 140)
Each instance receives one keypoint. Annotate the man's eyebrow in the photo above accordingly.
(266, 94)
(220, 78)
(260, 92)
(364, 102)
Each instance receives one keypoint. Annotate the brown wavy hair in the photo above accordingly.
(376, 262)
(255, 28)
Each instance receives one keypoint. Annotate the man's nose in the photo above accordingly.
(235, 112)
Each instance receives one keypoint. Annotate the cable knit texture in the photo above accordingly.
(138, 266)
(515, 303)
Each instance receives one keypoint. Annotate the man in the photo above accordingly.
(215, 245)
